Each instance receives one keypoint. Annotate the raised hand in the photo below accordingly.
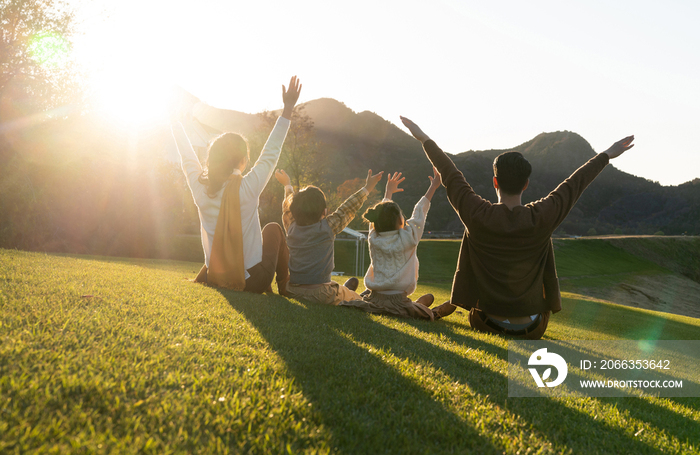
(415, 130)
(392, 185)
(283, 178)
(435, 182)
(372, 180)
(436, 179)
(290, 97)
(619, 147)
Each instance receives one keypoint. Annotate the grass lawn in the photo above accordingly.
(103, 355)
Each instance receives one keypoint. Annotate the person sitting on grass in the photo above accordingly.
(237, 254)
(393, 273)
(311, 236)
(505, 274)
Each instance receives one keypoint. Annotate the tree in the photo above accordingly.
(300, 156)
(349, 187)
(37, 68)
(301, 153)
(37, 74)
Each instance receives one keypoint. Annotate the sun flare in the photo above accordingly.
(130, 101)
(126, 68)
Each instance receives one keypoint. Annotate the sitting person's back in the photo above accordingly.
(506, 274)
(311, 236)
(237, 253)
(393, 273)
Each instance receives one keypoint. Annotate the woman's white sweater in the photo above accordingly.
(252, 185)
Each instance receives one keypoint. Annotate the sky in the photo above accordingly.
(474, 75)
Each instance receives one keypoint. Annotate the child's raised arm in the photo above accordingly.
(435, 182)
(415, 225)
(283, 178)
(392, 185)
(344, 214)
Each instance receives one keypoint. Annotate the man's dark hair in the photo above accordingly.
(308, 205)
(512, 171)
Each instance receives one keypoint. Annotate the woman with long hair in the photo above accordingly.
(237, 253)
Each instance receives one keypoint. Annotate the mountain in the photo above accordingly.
(353, 142)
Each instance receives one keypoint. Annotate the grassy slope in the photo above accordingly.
(680, 254)
(107, 355)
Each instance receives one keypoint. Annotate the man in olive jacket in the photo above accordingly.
(505, 274)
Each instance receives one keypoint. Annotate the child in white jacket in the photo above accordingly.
(393, 240)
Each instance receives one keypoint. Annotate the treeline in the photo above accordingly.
(615, 203)
(71, 181)
(83, 185)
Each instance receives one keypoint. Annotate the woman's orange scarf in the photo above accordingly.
(226, 266)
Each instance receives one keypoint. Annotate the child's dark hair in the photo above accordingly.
(384, 215)
(308, 205)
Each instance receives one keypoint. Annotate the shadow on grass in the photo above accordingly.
(367, 405)
(370, 406)
(558, 422)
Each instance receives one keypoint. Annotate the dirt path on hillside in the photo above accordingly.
(668, 293)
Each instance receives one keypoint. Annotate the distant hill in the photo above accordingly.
(354, 142)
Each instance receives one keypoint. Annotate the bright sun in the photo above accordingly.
(131, 101)
(125, 67)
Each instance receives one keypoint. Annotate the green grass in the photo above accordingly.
(575, 258)
(103, 355)
(680, 254)
(583, 258)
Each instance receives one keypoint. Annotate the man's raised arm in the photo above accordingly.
(620, 147)
(461, 195)
(564, 197)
